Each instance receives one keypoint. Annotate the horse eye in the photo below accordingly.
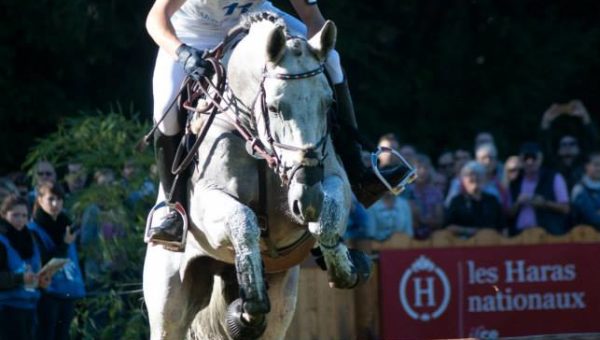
(273, 109)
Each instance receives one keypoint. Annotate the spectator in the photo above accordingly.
(566, 153)
(20, 181)
(144, 192)
(484, 137)
(42, 171)
(389, 215)
(7, 188)
(359, 225)
(428, 199)
(440, 181)
(586, 194)
(408, 152)
(461, 157)
(540, 195)
(19, 261)
(446, 168)
(512, 168)
(101, 222)
(473, 209)
(76, 178)
(51, 228)
(487, 156)
(569, 160)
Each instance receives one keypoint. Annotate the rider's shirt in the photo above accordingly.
(211, 19)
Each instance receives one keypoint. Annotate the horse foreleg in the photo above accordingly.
(328, 232)
(225, 217)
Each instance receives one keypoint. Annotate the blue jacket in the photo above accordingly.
(586, 205)
(20, 297)
(67, 282)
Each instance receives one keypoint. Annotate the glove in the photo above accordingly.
(193, 62)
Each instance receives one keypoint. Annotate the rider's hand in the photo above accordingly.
(192, 60)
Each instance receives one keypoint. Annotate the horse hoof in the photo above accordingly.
(363, 267)
(240, 329)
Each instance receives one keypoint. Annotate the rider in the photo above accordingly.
(183, 29)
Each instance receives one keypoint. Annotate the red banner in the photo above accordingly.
(490, 292)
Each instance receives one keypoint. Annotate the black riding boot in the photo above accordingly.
(170, 230)
(367, 187)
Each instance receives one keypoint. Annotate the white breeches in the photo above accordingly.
(168, 74)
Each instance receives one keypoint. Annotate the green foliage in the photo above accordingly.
(95, 140)
(112, 221)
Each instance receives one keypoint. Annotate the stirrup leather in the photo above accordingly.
(178, 207)
(409, 178)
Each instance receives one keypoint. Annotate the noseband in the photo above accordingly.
(309, 170)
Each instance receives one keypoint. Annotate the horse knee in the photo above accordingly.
(243, 226)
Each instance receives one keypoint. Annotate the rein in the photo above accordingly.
(254, 145)
(214, 93)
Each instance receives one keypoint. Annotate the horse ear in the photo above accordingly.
(324, 41)
(275, 45)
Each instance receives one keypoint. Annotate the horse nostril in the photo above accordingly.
(296, 208)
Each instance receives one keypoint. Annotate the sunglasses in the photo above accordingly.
(512, 170)
(45, 173)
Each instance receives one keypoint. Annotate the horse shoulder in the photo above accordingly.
(225, 165)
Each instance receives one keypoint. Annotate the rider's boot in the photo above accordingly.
(170, 230)
(367, 187)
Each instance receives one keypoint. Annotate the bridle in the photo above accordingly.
(310, 168)
(219, 98)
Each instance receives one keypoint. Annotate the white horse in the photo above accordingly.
(234, 279)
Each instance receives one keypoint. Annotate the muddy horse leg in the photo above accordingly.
(239, 223)
(346, 268)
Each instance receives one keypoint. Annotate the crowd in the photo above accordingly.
(551, 181)
(38, 301)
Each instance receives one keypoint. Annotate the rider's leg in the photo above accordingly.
(170, 229)
(166, 82)
(365, 184)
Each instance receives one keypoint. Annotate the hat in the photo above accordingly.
(530, 148)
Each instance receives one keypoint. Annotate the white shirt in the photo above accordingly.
(211, 19)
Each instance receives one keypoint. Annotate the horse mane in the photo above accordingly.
(249, 19)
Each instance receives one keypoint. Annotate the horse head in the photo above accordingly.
(280, 79)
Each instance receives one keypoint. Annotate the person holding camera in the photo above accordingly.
(567, 135)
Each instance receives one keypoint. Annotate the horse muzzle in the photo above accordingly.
(306, 201)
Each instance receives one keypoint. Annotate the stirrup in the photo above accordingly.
(409, 178)
(173, 245)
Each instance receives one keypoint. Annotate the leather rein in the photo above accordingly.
(213, 92)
